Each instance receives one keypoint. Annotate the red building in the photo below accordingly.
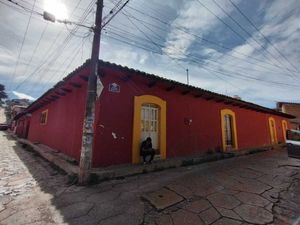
(181, 119)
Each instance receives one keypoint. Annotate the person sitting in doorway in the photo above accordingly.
(146, 149)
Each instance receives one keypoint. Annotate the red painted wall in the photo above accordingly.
(114, 120)
(115, 115)
(22, 127)
(63, 130)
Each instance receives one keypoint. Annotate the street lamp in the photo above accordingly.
(50, 17)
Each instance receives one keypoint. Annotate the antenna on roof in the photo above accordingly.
(187, 76)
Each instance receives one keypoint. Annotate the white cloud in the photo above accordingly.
(192, 18)
(279, 23)
(23, 96)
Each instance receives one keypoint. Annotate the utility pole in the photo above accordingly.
(187, 76)
(89, 118)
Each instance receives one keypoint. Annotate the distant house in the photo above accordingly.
(292, 109)
(182, 120)
(14, 107)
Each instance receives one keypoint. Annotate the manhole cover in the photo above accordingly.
(162, 198)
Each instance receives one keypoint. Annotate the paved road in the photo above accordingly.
(257, 189)
(2, 115)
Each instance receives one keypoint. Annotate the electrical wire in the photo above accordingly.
(60, 49)
(42, 15)
(31, 11)
(162, 46)
(112, 15)
(194, 61)
(250, 35)
(49, 54)
(258, 30)
(74, 53)
(106, 23)
(22, 44)
(108, 20)
(233, 30)
(35, 49)
(232, 51)
(153, 42)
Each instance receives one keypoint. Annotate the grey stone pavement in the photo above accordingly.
(262, 188)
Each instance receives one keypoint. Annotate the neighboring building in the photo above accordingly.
(14, 107)
(292, 109)
(182, 120)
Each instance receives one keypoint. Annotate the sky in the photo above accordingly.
(233, 47)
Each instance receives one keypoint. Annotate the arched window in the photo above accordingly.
(273, 133)
(229, 135)
(284, 128)
(228, 130)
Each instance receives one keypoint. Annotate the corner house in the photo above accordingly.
(182, 120)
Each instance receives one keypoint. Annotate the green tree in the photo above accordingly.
(3, 94)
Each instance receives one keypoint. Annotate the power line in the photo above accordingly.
(14, 8)
(64, 44)
(194, 61)
(31, 11)
(74, 53)
(106, 22)
(49, 53)
(161, 46)
(86, 34)
(121, 40)
(109, 18)
(112, 10)
(60, 49)
(36, 47)
(200, 38)
(258, 30)
(226, 24)
(22, 44)
(41, 8)
(247, 32)
(42, 15)
(153, 42)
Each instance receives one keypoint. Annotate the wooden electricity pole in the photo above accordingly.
(89, 118)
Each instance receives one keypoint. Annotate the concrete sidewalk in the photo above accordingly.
(261, 188)
(120, 171)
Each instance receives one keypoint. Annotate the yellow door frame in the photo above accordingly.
(284, 128)
(232, 114)
(136, 137)
(273, 132)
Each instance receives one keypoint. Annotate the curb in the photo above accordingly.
(52, 156)
(120, 172)
(98, 175)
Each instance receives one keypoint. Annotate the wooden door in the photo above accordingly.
(150, 124)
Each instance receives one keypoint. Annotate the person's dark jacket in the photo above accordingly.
(146, 146)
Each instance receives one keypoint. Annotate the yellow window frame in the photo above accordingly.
(234, 131)
(284, 128)
(273, 133)
(45, 112)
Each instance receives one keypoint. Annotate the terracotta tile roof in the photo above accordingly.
(229, 100)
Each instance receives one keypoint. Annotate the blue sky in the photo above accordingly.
(222, 50)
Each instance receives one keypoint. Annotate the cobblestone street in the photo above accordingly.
(262, 188)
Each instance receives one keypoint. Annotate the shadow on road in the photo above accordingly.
(268, 180)
(69, 204)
